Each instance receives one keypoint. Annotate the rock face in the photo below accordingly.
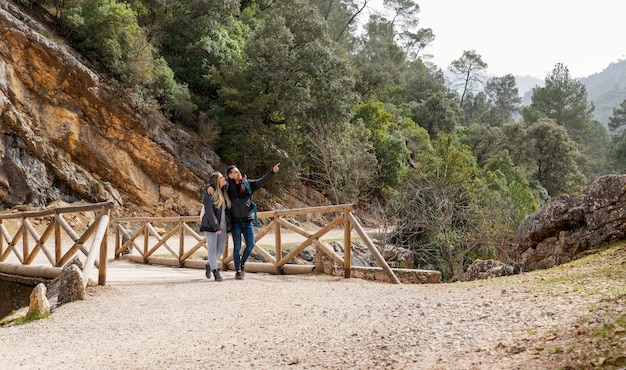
(65, 136)
(566, 228)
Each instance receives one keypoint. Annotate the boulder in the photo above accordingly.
(38, 301)
(487, 269)
(71, 285)
(559, 213)
(566, 228)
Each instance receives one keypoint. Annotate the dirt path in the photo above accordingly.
(162, 317)
(156, 317)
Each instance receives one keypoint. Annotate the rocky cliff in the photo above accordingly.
(566, 228)
(64, 135)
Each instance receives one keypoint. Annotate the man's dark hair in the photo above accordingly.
(230, 169)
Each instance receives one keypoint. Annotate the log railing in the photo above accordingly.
(182, 241)
(62, 251)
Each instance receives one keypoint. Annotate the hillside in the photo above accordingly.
(607, 90)
(65, 135)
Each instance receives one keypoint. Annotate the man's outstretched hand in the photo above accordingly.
(276, 167)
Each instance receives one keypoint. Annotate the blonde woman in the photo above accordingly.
(215, 222)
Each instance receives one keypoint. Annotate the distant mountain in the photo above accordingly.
(525, 86)
(607, 90)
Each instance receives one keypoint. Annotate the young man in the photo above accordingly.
(239, 190)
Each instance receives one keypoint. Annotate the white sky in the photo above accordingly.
(527, 37)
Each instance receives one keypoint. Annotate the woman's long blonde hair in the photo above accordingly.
(220, 198)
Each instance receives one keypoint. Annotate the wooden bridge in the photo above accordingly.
(16, 240)
(174, 241)
(179, 245)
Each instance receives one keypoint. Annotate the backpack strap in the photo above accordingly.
(247, 185)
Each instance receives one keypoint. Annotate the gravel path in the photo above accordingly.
(161, 317)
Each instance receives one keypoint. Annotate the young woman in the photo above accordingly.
(215, 222)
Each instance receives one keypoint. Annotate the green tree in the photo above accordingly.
(419, 82)
(288, 83)
(389, 145)
(194, 36)
(108, 33)
(437, 114)
(618, 119)
(405, 23)
(515, 198)
(342, 19)
(475, 108)
(555, 156)
(485, 141)
(504, 99)
(380, 62)
(469, 69)
(436, 210)
(617, 152)
(564, 100)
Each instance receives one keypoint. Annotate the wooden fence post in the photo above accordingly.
(347, 245)
(181, 244)
(373, 250)
(278, 242)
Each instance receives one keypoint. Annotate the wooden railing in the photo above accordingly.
(146, 240)
(19, 244)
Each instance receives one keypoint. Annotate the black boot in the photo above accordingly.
(207, 272)
(217, 275)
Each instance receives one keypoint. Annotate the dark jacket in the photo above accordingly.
(212, 215)
(241, 199)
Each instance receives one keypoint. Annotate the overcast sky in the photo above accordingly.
(527, 37)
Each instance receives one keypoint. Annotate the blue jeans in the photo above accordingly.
(216, 244)
(245, 228)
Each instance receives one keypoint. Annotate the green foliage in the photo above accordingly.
(595, 157)
(437, 114)
(476, 109)
(108, 34)
(509, 182)
(562, 99)
(504, 97)
(485, 141)
(195, 36)
(555, 158)
(288, 82)
(618, 119)
(469, 70)
(417, 138)
(379, 62)
(617, 152)
(438, 210)
(389, 145)
(340, 16)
